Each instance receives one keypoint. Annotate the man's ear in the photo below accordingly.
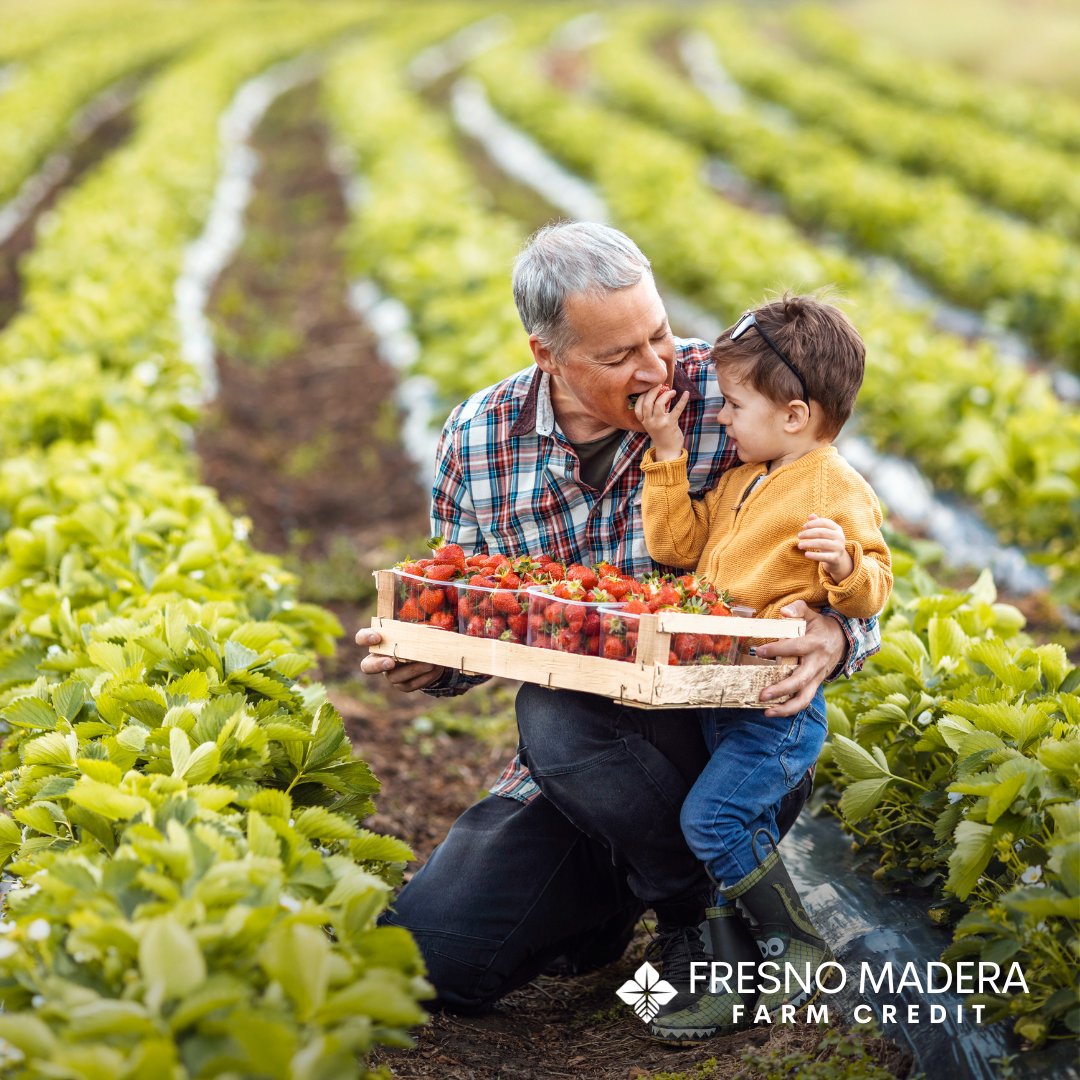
(798, 416)
(545, 359)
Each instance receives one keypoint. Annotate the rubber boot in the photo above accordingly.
(773, 920)
(783, 932)
(710, 1014)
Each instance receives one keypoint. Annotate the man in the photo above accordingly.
(581, 833)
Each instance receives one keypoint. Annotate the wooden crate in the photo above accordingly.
(648, 682)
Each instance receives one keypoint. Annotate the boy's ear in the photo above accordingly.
(798, 416)
(545, 359)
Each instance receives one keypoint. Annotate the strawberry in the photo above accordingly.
(615, 587)
(517, 626)
(635, 606)
(508, 579)
(506, 603)
(667, 595)
(431, 600)
(476, 560)
(410, 611)
(476, 627)
(554, 613)
(568, 590)
(587, 577)
(483, 581)
(448, 554)
(441, 572)
(575, 618)
(687, 647)
(592, 624)
(606, 569)
(592, 645)
(567, 641)
(614, 648)
(691, 584)
(719, 608)
(443, 620)
(410, 567)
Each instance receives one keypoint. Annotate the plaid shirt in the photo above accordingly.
(507, 480)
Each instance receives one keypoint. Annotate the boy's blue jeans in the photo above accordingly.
(755, 761)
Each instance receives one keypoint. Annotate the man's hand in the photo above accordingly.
(819, 650)
(402, 675)
(823, 541)
(652, 409)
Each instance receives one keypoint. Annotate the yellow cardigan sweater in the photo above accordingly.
(752, 550)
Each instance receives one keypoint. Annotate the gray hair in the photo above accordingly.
(566, 258)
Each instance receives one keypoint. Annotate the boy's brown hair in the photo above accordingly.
(820, 342)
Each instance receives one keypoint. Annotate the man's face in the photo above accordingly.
(623, 345)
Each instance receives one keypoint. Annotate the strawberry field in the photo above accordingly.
(250, 256)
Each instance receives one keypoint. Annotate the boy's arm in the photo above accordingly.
(865, 589)
(676, 526)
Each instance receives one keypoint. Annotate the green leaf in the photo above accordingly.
(261, 836)
(30, 712)
(1062, 756)
(238, 657)
(38, 818)
(202, 764)
(29, 1034)
(1003, 794)
(1065, 862)
(170, 959)
(1054, 663)
(859, 798)
(380, 994)
(69, 698)
(316, 822)
(179, 750)
(105, 771)
(945, 639)
(54, 749)
(328, 736)
(297, 956)
(109, 656)
(855, 762)
(973, 851)
(104, 799)
(10, 838)
(372, 847)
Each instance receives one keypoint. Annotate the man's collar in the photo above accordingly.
(537, 414)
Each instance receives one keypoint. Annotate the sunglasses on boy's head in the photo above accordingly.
(748, 320)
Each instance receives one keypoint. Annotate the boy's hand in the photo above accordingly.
(823, 541)
(662, 423)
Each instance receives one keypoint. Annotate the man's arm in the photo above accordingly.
(454, 519)
(832, 646)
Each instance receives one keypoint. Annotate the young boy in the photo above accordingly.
(794, 521)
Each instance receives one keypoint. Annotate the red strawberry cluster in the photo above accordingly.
(492, 602)
(566, 615)
(536, 600)
(425, 593)
(663, 592)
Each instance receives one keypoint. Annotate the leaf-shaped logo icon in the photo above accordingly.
(646, 992)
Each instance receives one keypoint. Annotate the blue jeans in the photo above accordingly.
(620, 774)
(515, 884)
(756, 760)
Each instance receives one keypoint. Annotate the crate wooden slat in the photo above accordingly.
(650, 682)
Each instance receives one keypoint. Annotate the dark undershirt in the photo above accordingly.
(597, 457)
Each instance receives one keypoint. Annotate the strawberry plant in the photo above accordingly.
(956, 752)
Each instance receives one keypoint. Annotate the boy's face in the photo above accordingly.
(755, 423)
